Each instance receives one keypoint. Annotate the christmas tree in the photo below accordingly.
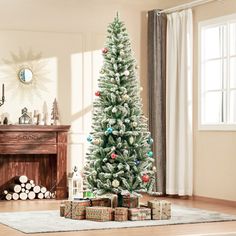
(55, 112)
(119, 159)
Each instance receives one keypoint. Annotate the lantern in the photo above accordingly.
(75, 184)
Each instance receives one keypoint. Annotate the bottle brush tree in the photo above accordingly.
(119, 159)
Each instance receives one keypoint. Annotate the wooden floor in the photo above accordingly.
(220, 228)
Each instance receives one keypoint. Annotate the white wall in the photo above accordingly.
(70, 35)
(214, 151)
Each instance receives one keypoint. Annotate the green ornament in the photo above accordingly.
(150, 153)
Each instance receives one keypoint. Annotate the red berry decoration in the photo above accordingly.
(113, 156)
(104, 50)
(145, 178)
(97, 94)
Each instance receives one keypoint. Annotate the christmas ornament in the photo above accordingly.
(137, 162)
(125, 97)
(120, 45)
(125, 152)
(104, 50)
(150, 153)
(97, 93)
(114, 110)
(154, 168)
(113, 148)
(131, 139)
(113, 156)
(126, 73)
(89, 138)
(117, 74)
(150, 141)
(96, 141)
(145, 178)
(112, 80)
(134, 124)
(115, 183)
(127, 120)
(109, 130)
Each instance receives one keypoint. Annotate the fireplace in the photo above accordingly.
(39, 152)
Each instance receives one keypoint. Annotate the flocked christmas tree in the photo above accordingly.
(120, 159)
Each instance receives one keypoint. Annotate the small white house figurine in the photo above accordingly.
(75, 183)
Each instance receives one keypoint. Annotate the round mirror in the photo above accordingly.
(25, 75)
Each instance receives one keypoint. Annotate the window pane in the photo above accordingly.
(233, 72)
(232, 39)
(212, 43)
(233, 106)
(212, 108)
(213, 75)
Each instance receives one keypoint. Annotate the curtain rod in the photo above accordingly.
(186, 6)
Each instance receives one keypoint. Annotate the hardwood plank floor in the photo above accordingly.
(220, 228)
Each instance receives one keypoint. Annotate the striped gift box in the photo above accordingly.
(100, 213)
(102, 202)
(79, 209)
(139, 214)
(121, 214)
(68, 209)
(129, 201)
(161, 209)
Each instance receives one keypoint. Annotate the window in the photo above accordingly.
(217, 74)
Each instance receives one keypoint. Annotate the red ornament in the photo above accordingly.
(97, 93)
(113, 156)
(145, 178)
(104, 50)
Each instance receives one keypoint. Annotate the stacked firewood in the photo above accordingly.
(23, 188)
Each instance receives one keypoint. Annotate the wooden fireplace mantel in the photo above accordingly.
(19, 141)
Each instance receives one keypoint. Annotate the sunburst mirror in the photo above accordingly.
(26, 73)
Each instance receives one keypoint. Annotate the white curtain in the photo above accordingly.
(179, 103)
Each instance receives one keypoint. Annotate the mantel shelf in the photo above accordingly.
(37, 128)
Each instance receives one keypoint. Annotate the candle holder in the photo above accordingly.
(3, 97)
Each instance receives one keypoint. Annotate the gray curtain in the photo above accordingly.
(157, 92)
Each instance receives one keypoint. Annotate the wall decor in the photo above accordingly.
(25, 118)
(55, 113)
(26, 72)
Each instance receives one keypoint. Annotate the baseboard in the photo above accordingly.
(215, 200)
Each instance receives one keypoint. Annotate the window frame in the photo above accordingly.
(225, 20)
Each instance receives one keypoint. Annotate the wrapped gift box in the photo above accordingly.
(128, 201)
(121, 214)
(68, 209)
(102, 202)
(139, 213)
(161, 210)
(79, 209)
(114, 199)
(100, 213)
(62, 209)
